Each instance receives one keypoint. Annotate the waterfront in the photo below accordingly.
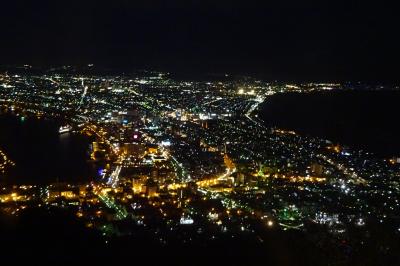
(41, 154)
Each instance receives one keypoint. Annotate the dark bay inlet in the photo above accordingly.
(366, 120)
(41, 154)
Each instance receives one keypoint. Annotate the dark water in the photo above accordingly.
(41, 154)
(366, 120)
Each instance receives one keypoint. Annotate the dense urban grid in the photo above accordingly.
(190, 161)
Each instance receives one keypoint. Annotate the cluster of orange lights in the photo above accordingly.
(207, 182)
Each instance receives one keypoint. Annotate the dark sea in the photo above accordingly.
(367, 120)
(41, 154)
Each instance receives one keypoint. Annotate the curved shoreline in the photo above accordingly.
(361, 120)
(4, 162)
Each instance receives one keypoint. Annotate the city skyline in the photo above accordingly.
(167, 164)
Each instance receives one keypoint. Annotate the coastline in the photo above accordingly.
(350, 118)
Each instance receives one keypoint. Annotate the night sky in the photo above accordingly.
(284, 40)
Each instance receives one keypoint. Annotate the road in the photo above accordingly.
(120, 211)
(114, 177)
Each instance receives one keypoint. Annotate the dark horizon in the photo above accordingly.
(276, 41)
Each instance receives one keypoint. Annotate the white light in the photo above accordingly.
(165, 143)
(186, 220)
